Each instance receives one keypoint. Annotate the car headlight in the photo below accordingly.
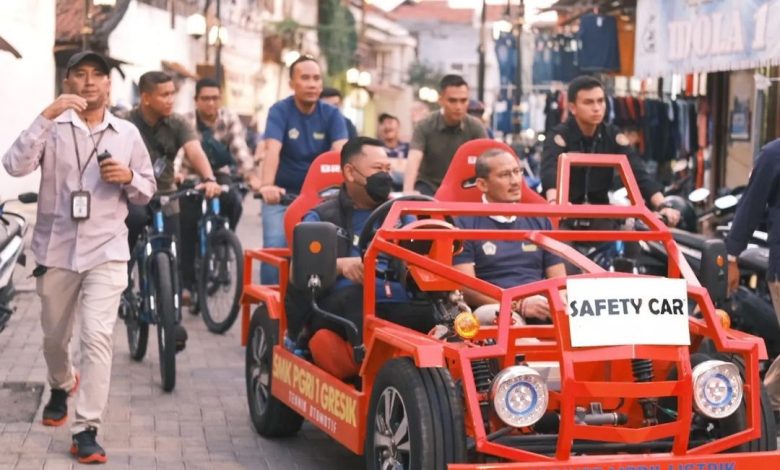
(519, 396)
(717, 388)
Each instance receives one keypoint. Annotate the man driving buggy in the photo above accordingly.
(365, 167)
(505, 263)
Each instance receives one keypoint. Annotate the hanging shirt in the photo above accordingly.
(599, 52)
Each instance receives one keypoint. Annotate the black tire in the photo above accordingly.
(130, 304)
(737, 421)
(270, 417)
(424, 429)
(166, 319)
(220, 281)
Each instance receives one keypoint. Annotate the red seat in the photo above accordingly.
(324, 173)
(461, 172)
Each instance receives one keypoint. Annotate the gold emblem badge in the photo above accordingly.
(529, 247)
(489, 248)
(293, 133)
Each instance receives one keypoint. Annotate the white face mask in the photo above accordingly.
(501, 219)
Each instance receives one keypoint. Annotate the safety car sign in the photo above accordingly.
(627, 311)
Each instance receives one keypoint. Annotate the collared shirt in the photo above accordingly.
(439, 142)
(228, 130)
(58, 240)
(163, 140)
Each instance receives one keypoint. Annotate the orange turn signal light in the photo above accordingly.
(315, 247)
(723, 316)
(720, 261)
(466, 325)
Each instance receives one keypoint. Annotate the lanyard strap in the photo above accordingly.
(78, 154)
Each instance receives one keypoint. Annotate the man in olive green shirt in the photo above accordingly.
(437, 137)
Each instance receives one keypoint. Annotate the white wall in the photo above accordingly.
(144, 38)
(28, 83)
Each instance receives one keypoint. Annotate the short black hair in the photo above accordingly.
(300, 60)
(149, 81)
(385, 116)
(451, 80)
(354, 147)
(582, 83)
(205, 83)
(481, 166)
(329, 92)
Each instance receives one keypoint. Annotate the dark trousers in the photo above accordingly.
(231, 206)
(347, 302)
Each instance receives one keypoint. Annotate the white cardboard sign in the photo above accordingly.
(627, 311)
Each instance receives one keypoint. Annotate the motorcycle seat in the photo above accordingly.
(691, 240)
(754, 259)
(10, 227)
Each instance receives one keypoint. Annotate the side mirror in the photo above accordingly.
(699, 195)
(726, 202)
(314, 253)
(28, 198)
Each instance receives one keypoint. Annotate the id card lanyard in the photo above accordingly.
(80, 200)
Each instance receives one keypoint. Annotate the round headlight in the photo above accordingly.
(717, 388)
(519, 396)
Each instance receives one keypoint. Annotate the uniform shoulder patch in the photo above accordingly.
(621, 139)
(559, 141)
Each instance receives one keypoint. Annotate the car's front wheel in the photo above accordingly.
(415, 419)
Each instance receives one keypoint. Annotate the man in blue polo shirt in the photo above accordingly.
(299, 128)
(505, 263)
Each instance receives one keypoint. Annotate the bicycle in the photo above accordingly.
(152, 296)
(219, 268)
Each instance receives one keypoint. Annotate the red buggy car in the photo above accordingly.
(616, 381)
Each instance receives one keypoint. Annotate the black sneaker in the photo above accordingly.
(180, 335)
(55, 413)
(86, 449)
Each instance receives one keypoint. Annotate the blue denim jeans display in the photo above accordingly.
(273, 237)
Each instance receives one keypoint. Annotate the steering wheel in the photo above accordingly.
(377, 217)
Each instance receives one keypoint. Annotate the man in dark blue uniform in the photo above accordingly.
(761, 201)
(505, 263)
(299, 128)
(586, 132)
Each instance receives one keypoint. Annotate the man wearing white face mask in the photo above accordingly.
(505, 263)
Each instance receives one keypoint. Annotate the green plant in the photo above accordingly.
(337, 36)
(423, 74)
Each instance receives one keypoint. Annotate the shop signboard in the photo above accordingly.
(693, 36)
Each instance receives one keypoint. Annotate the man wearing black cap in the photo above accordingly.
(79, 240)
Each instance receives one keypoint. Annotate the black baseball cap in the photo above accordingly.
(84, 56)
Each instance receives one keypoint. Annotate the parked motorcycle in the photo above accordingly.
(13, 228)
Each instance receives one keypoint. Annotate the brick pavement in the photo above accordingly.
(203, 424)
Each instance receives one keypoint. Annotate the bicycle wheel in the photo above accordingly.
(130, 311)
(166, 320)
(220, 281)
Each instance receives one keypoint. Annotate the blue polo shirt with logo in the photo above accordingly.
(303, 136)
(506, 263)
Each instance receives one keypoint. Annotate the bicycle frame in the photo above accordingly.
(154, 240)
(211, 218)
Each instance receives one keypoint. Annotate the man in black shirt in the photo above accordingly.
(586, 132)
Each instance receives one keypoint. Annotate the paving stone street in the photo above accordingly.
(203, 424)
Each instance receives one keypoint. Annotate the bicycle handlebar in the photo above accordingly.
(285, 200)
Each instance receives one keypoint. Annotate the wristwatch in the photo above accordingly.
(210, 179)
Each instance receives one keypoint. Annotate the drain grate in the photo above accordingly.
(19, 401)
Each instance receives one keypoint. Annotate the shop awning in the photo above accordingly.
(676, 36)
(6, 46)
